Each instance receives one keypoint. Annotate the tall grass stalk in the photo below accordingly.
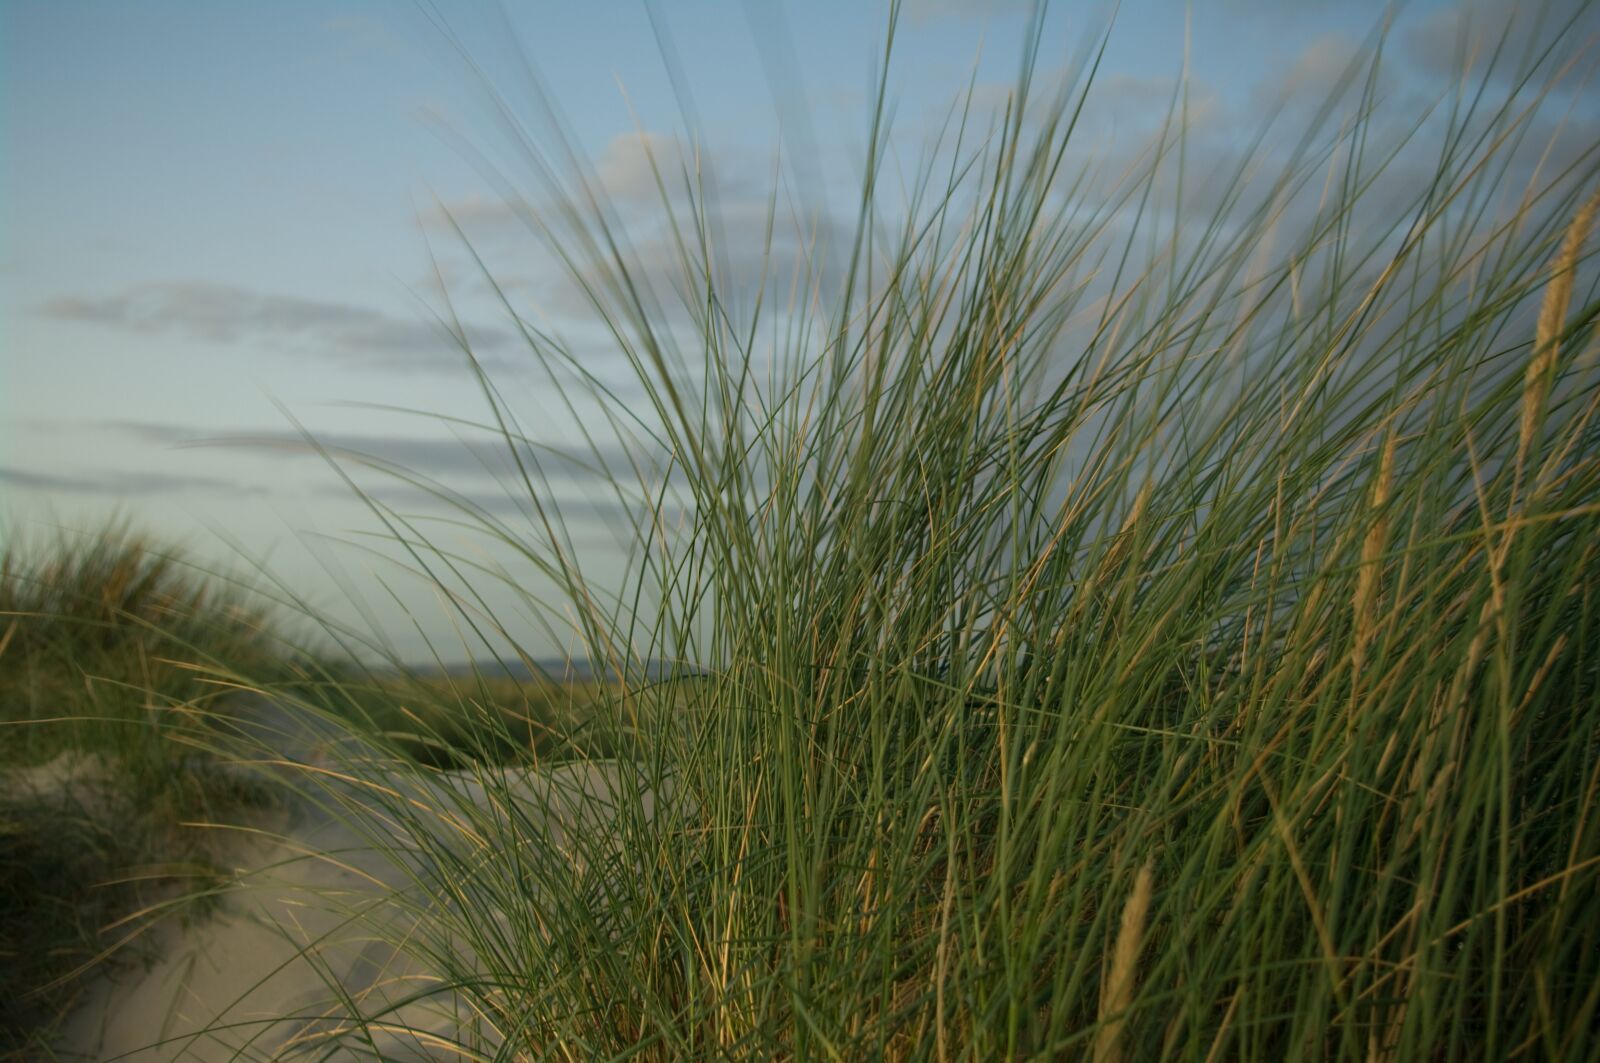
(1034, 533)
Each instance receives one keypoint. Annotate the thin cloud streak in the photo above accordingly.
(573, 508)
(228, 314)
(436, 457)
(128, 483)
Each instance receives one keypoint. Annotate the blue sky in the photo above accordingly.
(214, 213)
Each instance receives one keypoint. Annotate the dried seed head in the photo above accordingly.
(1117, 993)
(1552, 315)
(1366, 597)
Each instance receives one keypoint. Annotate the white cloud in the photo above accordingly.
(632, 164)
(728, 191)
(1333, 63)
(1465, 36)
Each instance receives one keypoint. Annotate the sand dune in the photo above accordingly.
(298, 959)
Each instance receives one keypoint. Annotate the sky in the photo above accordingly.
(223, 223)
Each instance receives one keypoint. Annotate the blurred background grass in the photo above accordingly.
(122, 667)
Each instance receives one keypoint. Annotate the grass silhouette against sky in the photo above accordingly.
(214, 209)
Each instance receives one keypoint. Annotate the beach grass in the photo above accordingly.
(1126, 628)
(116, 656)
(1127, 639)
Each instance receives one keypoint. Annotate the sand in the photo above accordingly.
(302, 940)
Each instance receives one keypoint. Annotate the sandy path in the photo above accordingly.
(302, 939)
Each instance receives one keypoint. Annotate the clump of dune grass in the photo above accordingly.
(112, 643)
(115, 657)
(1027, 539)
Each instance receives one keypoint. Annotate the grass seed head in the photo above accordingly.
(1552, 314)
(1118, 992)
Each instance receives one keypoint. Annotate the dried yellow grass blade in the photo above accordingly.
(1117, 994)
(1552, 315)
(1366, 595)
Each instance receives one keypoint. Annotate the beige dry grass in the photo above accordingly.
(1117, 994)
(1547, 334)
(1368, 579)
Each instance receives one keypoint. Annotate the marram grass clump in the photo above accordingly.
(1117, 633)
(110, 642)
(115, 659)
(1124, 635)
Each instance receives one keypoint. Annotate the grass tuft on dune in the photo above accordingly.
(115, 656)
(1146, 625)
(1120, 627)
